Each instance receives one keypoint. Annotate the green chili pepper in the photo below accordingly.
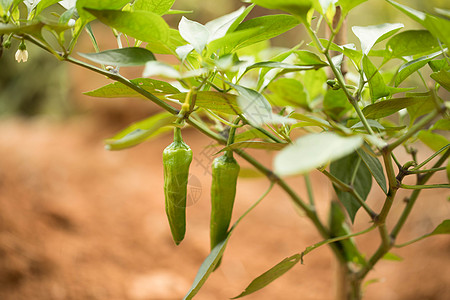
(225, 171)
(176, 159)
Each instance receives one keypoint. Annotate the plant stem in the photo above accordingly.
(430, 158)
(415, 194)
(310, 190)
(414, 129)
(422, 186)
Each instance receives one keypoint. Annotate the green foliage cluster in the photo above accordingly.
(342, 115)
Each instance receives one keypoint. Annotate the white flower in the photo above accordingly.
(71, 22)
(21, 55)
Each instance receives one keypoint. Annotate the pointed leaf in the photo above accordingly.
(159, 7)
(386, 108)
(336, 103)
(309, 58)
(377, 86)
(344, 169)
(255, 145)
(257, 109)
(443, 78)
(85, 14)
(374, 166)
(43, 4)
(220, 26)
(254, 31)
(225, 103)
(266, 278)
(347, 5)
(433, 140)
(288, 91)
(122, 57)
(208, 265)
(412, 66)
(339, 227)
(140, 131)
(296, 7)
(119, 90)
(443, 228)
(280, 65)
(194, 33)
(392, 256)
(370, 35)
(142, 25)
(313, 151)
(438, 27)
(411, 42)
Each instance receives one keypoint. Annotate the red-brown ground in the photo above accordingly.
(79, 222)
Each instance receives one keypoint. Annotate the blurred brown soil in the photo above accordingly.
(79, 222)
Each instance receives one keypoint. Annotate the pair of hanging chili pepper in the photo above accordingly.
(177, 158)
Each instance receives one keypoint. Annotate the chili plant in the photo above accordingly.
(325, 105)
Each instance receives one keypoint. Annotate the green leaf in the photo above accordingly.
(254, 31)
(392, 256)
(373, 164)
(416, 15)
(377, 86)
(370, 35)
(216, 101)
(288, 91)
(442, 124)
(228, 23)
(43, 4)
(279, 65)
(6, 4)
(336, 104)
(411, 42)
(119, 90)
(433, 140)
(273, 273)
(33, 29)
(255, 145)
(313, 151)
(353, 172)
(175, 40)
(85, 14)
(311, 120)
(443, 78)
(443, 228)
(159, 7)
(439, 27)
(122, 57)
(338, 227)
(194, 33)
(438, 64)
(142, 25)
(140, 131)
(412, 66)
(298, 8)
(207, 267)
(270, 26)
(256, 108)
(347, 5)
(250, 134)
(386, 108)
(422, 108)
(309, 58)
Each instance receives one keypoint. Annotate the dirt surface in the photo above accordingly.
(79, 222)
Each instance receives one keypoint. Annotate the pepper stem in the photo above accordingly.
(177, 135)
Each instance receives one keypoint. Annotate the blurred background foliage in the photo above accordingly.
(42, 85)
